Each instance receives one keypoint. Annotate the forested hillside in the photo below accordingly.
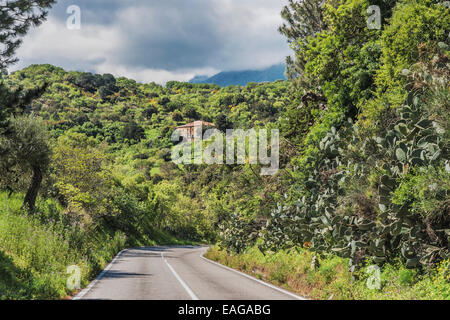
(126, 128)
(364, 173)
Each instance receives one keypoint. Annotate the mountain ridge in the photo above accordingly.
(227, 78)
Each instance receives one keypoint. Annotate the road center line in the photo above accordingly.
(185, 286)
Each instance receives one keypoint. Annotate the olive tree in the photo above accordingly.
(25, 153)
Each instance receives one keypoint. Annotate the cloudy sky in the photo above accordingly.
(159, 40)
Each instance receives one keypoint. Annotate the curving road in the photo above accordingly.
(176, 273)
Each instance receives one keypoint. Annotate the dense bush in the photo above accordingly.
(373, 187)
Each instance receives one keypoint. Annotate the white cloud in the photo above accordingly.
(52, 42)
(152, 75)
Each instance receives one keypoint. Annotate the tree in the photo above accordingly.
(23, 140)
(191, 112)
(84, 179)
(86, 81)
(27, 148)
(103, 92)
(13, 101)
(177, 116)
(16, 18)
(163, 101)
(223, 123)
(149, 111)
(303, 19)
(133, 132)
(106, 85)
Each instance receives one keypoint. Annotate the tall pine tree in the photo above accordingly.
(16, 19)
(302, 19)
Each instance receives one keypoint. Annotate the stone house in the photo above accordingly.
(188, 131)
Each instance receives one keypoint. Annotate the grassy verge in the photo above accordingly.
(305, 274)
(35, 252)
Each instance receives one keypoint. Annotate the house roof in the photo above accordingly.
(197, 124)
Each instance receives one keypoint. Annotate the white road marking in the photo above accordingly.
(92, 284)
(254, 279)
(185, 286)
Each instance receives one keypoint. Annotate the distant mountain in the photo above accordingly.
(227, 78)
(198, 79)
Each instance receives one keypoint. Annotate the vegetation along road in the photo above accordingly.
(176, 273)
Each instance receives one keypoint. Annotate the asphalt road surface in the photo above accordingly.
(175, 273)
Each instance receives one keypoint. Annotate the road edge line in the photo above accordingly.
(80, 295)
(254, 279)
(185, 286)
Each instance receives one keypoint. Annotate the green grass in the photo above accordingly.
(33, 257)
(329, 277)
(35, 251)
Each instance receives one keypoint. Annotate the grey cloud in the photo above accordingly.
(170, 35)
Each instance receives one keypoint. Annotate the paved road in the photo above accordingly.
(175, 273)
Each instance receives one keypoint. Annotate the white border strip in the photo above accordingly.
(254, 279)
(80, 295)
(185, 286)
